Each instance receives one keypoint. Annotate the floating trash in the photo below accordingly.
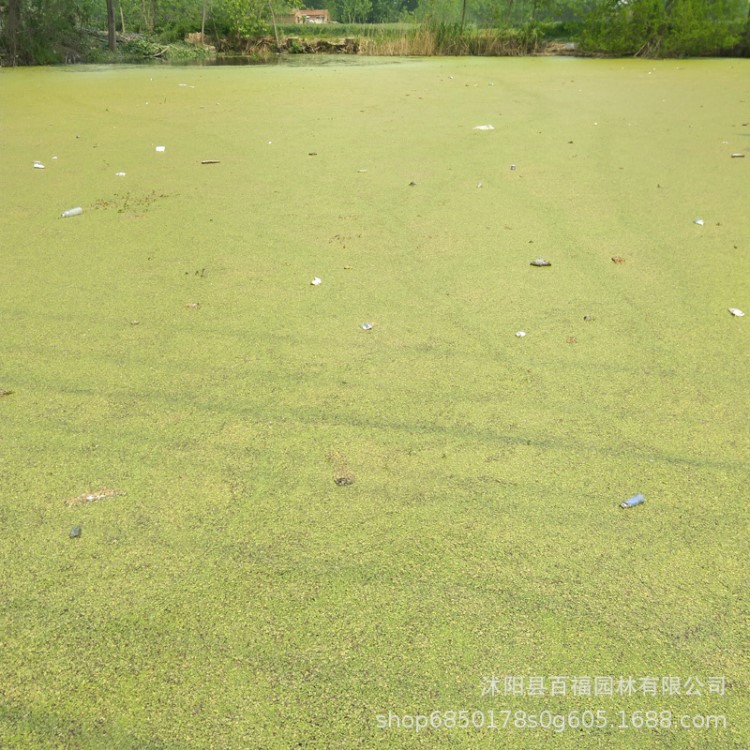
(736, 312)
(631, 502)
(342, 474)
(119, 174)
(412, 184)
(210, 161)
(54, 158)
(135, 322)
(89, 497)
(479, 185)
(588, 318)
(540, 262)
(5, 393)
(38, 165)
(313, 153)
(618, 259)
(699, 222)
(193, 306)
(161, 148)
(361, 171)
(77, 211)
(484, 127)
(738, 156)
(366, 326)
(520, 334)
(75, 532)
(513, 167)
(316, 281)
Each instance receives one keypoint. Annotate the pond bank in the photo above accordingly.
(421, 43)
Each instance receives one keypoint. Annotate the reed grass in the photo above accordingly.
(443, 39)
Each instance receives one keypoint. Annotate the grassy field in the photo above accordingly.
(235, 596)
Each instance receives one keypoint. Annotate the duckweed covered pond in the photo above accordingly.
(317, 525)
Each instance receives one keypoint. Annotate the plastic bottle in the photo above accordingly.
(631, 502)
(77, 211)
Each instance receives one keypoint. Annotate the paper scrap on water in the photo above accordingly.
(161, 148)
(520, 334)
(699, 222)
(38, 165)
(736, 312)
(484, 127)
(119, 174)
(316, 281)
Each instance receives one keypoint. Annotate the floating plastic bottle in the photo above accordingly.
(77, 211)
(366, 326)
(631, 502)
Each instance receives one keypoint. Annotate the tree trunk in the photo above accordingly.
(122, 20)
(13, 22)
(111, 25)
(463, 14)
(275, 30)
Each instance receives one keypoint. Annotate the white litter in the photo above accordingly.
(77, 211)
(738, 156)
(479, 184)
(699, 222)
(38, 165)
(736, 312)
(316, 281)
(119, 174)
(520, 334)
(161, 148)
(366, 326)
(484, 127)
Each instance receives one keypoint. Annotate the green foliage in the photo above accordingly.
(245, 17)
(48, 31)
(661, 27)
(353, 11)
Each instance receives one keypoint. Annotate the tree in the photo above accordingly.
(111, 25)
(353, 11)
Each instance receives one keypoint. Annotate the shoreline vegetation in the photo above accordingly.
(421, 41)
(70, 31)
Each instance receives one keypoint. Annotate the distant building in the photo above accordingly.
(311, 16)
